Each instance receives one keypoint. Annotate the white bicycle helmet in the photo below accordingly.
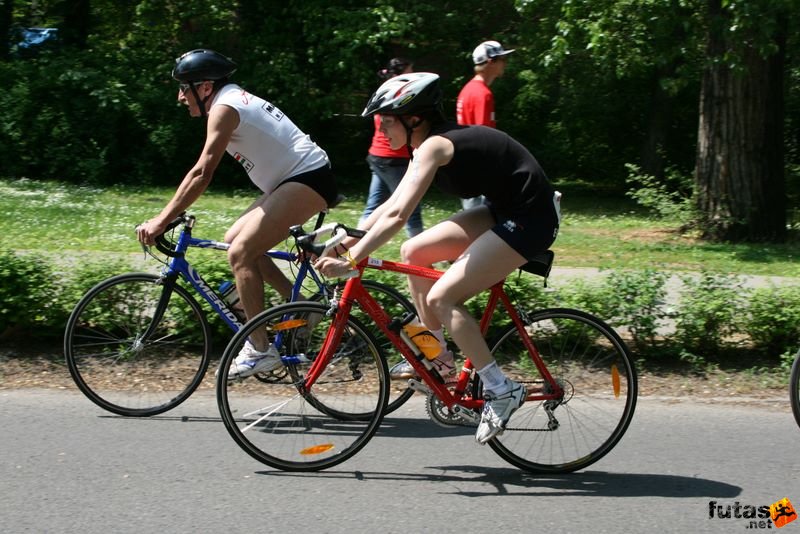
(415, 93)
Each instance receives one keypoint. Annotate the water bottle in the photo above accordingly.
(230, 295)
(424, 339)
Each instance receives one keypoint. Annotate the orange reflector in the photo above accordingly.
(317, 449)
(615, 380)
(288, 325)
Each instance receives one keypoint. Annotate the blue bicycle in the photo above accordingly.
(139, 344)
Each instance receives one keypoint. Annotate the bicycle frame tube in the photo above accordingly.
(354, 291)
(182, 267)
(302, 272)
(178, 265)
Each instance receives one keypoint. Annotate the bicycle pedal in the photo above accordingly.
(419, 387)
(466, 414)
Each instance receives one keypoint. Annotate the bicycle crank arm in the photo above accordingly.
(419, 387)
(466, 414)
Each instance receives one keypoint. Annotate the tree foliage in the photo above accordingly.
(593, 86)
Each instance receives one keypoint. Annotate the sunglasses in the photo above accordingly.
(184, 87)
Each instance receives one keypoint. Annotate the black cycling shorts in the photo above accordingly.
(321, 180)
(529, 232)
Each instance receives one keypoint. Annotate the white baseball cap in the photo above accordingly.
(488, 50)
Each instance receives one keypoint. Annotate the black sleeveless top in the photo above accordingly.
(489, 162)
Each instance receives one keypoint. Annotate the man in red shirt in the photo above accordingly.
(475, 104)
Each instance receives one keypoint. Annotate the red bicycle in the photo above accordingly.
(580, 377)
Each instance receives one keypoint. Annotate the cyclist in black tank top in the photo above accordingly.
(486, 242)
(489, 162)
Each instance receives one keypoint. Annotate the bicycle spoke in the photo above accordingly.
(287, 426)
(115, 366)
(593, 368)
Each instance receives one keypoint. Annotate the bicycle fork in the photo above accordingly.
(168, 283)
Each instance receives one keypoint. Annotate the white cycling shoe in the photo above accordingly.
(497, 411)
(250, 361)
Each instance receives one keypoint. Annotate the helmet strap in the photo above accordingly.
(409, 130)
(201, 103)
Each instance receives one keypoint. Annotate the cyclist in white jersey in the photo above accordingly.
(293, 173)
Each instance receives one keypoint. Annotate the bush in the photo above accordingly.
(669, 198)
(587, 295)
(635, 300)
(78, 279)
(773, 319)
(27, 292)
(707, 315)
(714, 313)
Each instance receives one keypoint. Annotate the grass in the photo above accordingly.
(59, 221)
(598, 231)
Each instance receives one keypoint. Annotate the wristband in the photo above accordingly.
(349, 258)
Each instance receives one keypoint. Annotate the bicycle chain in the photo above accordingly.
(435, 409)
(456, 421)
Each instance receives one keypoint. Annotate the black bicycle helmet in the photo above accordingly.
(416, 93)
(201, 65)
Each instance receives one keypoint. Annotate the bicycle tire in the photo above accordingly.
(286, 427)
(794, 388)
(396, 305)
(591, 362)
(116, 367)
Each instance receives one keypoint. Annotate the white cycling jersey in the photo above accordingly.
(270, 147)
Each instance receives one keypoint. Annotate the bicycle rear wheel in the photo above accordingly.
(123, 362)
(285, 426)
(396, 305)
(794, 388)
(593, 366)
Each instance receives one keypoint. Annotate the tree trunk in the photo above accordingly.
(6, 11)
(739, 179)
(75, 30)
(655, 137)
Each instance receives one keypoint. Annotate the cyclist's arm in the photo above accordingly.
(222, 121)
(392, 215)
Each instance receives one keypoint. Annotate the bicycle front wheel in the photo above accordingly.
(794, 388)
(593, 367)
(124, 362)
(396, 305)
(286, 426)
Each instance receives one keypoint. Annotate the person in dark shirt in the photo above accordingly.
(519, 221)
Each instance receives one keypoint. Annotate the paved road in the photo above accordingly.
(70, 467)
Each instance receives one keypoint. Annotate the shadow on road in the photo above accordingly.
(509, 481)
(474, 481)
(482, 481)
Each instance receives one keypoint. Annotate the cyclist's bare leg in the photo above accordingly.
(445, 241)
(265, 224)
(270, 273)
(483, 259)
(486, 261)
